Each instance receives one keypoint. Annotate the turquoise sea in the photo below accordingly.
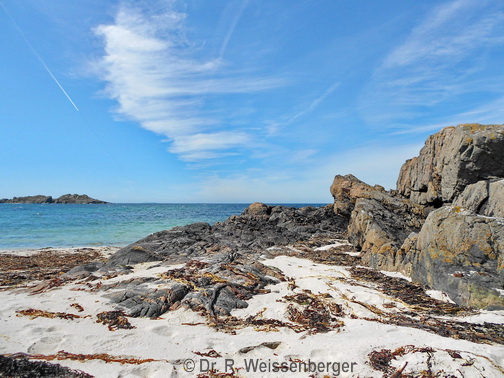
(62, 225)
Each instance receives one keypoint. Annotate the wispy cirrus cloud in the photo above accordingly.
(274, 126)
(158, 80)
(489, 113)
(442, 60)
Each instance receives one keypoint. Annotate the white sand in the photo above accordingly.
(106, 251)
(171, 343)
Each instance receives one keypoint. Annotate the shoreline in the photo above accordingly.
(105, 250)
(63, 324)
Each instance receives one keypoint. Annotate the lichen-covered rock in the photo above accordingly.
(461, 254)
(486, 197)
(258, 208)
(379, 220)
(379, 228)
(452, 159)
(346, 190)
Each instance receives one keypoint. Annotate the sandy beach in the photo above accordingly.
(59, 322)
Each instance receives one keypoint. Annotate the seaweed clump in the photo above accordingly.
(114, 319)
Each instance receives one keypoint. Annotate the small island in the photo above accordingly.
(66, 199)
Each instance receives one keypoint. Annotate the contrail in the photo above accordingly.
(232, 28)
(39, 57)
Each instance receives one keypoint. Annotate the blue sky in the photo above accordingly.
(235, 101)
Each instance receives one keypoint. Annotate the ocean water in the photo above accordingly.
(59, 225)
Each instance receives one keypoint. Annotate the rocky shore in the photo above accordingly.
(66, 198)
(444, 225)
(391, 283)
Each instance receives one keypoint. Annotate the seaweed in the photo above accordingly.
(19, 271)
(211, 353)
(77, 306)
(411, 294)
(213, 373)
(114, 319)
(34, 313)
(478, 333)
(62, 355)
(317, 313)
(380, 360)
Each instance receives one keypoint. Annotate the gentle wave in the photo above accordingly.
(61, 225)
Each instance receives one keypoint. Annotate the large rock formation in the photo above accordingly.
(77, 199)
(452, 159)
(379, 221)
(462, 254)
(67, 198)
(221, 261)
(259, 227)
(459, 249)
(29, 199)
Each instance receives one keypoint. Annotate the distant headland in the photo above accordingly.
(67, 199)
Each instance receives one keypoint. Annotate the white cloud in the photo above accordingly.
(202, 146)
(153, 73)
(491, 113)
(433, 37)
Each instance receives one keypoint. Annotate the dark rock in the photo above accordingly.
(23, 368)
(214, 285)
(141, 301)
(78, 199)
(84, 270)
(266, 344)
(67, 198)
(452, 159)
(258, 228)
(29, 199)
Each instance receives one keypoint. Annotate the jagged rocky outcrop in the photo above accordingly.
(452, 159)
(213, 285)
(379, 220)
(258, 228)
(66, 198)
(458, 248)
(221, 268)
